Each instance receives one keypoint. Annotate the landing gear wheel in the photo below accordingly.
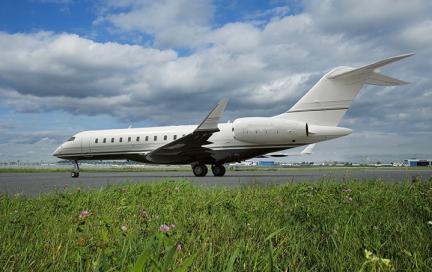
(200, 170)
(218, 170)
(75, 170)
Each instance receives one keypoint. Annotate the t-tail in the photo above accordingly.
(326, 103)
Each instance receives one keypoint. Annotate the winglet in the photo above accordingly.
(308, 149)
(210, 123)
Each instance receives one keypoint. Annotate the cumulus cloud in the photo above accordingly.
(369, 18)
(47, 64)
(263, 68)
(173, 23)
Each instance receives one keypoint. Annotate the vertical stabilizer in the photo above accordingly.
(328, 100)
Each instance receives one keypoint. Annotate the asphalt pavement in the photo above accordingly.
(33, 184)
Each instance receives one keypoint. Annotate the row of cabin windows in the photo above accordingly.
(129, 139)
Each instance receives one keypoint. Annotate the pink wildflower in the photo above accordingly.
(164, 228)
(179, 248)
(84, 214)
(172, 226)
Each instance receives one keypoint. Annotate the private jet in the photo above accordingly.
(314, 118)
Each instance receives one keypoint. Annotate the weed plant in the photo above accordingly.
(176, 226)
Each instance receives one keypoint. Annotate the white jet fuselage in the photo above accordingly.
(243, 139)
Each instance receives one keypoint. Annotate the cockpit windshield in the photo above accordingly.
(71, 139)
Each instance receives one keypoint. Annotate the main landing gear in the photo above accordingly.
(218, 170)
(201, 170)
(75, 170)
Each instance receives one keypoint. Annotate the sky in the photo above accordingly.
(73, 65)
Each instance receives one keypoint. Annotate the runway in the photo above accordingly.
(33, 184)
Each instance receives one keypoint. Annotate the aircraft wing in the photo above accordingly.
(190, 146)
(307, 151)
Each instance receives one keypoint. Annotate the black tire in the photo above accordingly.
(74, 174)
(200, 170)
(218, 170)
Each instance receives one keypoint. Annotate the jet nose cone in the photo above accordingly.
(57, 151)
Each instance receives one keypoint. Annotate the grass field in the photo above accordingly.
(365, 226)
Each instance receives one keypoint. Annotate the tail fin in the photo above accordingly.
(326, 103)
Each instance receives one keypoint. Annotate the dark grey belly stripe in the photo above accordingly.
(135, 152)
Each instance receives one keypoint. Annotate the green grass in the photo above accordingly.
(295, 227)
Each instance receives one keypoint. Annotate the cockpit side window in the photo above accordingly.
(71, 139)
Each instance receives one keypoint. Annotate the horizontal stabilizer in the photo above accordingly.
(367, 68)
(308, 149)
(382, 80)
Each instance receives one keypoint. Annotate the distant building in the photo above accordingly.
(417, 162)
(266, 163)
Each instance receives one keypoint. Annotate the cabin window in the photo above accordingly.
(96, 140)
(129, 139)
(137, 139)
(165, 138)
(71, 139)
(146, 138)
(121, 139)
(104, 140)
(112, 140)
(155, 138)
(174, 137)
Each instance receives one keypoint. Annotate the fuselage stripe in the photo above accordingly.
(321, 109)
(137, 152)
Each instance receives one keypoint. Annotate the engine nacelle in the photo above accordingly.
(267, 130)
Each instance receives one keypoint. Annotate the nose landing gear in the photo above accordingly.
(75, 170)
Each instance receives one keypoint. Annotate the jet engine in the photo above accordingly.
(267, 130)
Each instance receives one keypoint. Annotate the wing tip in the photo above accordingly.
(212, 119)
